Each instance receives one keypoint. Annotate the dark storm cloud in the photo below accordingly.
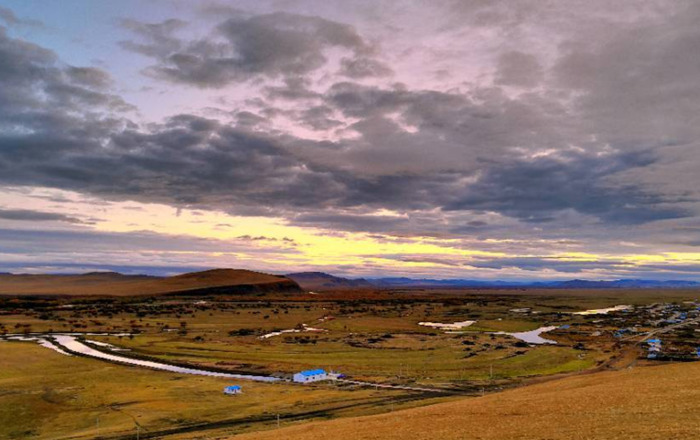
(35, 216)
(533, 190)
(271, 45)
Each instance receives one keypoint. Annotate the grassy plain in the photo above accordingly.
(46, 395)
(368, 335)
(640, 403)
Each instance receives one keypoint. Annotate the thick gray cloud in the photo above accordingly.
(519, 69)
(35, 216)
(270, 45)
(535, 189)
(194, 161)
(590, 133)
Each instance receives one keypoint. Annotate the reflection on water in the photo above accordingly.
(533, 336)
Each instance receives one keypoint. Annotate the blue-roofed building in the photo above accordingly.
(233, 389)
(311, 376)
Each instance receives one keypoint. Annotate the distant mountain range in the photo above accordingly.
(238, 281)
(324, 281)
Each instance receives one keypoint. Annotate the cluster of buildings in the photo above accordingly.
(678, 323)
(654, 347)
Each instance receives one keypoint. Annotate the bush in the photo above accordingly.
(242, 332)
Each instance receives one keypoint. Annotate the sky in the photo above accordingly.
(511, 140)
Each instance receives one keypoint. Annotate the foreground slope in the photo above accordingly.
(225, 281)
(640, 403)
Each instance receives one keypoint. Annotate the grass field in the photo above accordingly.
(375, 338)
(641, 403)
(46, 395)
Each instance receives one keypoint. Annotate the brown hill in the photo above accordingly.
(216, 281)
(641, 403)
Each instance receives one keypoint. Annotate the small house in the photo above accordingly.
(232, 389)
(310, 376)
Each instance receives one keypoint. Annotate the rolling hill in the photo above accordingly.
(641, 403)
(216, 281)
(324, 281)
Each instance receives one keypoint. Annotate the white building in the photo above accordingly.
(233, 389)
(311, 376)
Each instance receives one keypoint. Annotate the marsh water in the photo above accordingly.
(533, 336)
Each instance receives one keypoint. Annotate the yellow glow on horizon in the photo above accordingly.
(315, 245)
(274, 242)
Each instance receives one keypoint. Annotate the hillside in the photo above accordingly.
(324, 281)
(216, 281)
(642, 403)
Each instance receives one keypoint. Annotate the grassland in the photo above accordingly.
(641, 403)
(370, 336)
(46, 395)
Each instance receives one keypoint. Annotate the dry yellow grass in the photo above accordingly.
(642, 403)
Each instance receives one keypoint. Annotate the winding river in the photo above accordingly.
(68, 344)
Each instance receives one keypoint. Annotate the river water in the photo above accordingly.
(66, 343)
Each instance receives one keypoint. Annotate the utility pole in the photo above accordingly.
(278, 421)
(138, 432)
(491, 372)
